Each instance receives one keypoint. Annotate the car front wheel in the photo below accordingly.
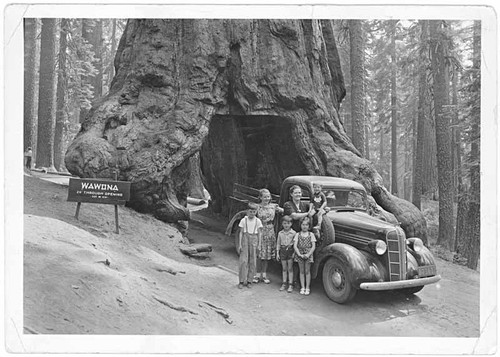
(337, 282)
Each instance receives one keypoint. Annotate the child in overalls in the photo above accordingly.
(250, 239)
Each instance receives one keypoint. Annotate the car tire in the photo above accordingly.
(327, 231)
(337, 282)
(411, 291)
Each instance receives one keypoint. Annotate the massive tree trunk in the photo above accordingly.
(97, 39)
(30, 27)
(357, 57)
(259, 100)
(443, 143)
(62, 84)
(394, 112)
(46, 100)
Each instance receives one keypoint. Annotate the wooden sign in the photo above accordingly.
(98, 191)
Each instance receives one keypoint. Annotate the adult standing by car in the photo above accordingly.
(297, 209)
(266, 212)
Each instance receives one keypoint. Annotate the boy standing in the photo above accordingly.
(250, 239)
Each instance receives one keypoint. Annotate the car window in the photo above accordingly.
(344, 198)
(356, 199)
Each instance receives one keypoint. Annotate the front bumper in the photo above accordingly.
(391, 285)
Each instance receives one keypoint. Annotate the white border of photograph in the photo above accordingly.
(17, 341)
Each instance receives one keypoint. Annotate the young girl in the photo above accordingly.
(304, 244)
(266, 212)
(249, 241)
(284, 252)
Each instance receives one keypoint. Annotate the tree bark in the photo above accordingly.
(473, 215)
(394, 113)
(30, 28)
(357, 84)
(443, 144)
(97, 39)
(256, 98)
(87, 36)
(46, 101)
(422, 105)
(62, 84)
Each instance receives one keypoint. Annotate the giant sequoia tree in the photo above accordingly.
(258, 99)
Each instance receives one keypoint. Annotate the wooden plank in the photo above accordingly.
(252, 192)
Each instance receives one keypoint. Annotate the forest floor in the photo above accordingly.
(80, 277)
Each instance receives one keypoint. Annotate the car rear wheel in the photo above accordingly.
(337, 282)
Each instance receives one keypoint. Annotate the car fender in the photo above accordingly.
(422, 257)
(233, 223)
(362, 266)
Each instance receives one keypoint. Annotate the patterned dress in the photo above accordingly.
(266, 215)
(304, 245)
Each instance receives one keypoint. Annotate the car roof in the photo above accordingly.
(327, 181)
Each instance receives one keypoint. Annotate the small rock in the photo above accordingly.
(75, 286)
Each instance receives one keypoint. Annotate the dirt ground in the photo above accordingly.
(82, 278)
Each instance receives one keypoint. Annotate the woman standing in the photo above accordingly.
(266, 212)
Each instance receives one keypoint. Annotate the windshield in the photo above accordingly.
(352, 199)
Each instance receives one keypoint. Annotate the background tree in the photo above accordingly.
(468, 235)
(62, 84)
(357, 59)
(394, 111)
(439, 45)
(46, 102)
(422, 111)
(30, 32)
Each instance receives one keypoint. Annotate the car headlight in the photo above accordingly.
(378, 246)
(415, 243)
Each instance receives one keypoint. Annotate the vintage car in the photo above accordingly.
(356, 250)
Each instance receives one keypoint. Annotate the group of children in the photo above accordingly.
(257, 241)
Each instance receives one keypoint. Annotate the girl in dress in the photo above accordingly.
(266, 212)
(304, 245)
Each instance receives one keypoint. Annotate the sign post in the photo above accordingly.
(98, 191)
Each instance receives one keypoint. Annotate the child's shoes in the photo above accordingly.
(266, 280)
(240, 286)
(283, 287)
(255, 279)
(290, 288)
(307, 292)
(302, 291)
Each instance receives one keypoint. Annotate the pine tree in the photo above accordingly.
(394, 121)
(46, 102)
(62, 84)
(439, 45)
(30, 29)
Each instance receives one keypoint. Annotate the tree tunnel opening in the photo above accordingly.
(254, 150)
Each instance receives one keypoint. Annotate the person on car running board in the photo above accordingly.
(249, 240)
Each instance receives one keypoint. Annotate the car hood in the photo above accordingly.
(359, 221)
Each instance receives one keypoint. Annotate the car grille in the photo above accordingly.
(396, 254)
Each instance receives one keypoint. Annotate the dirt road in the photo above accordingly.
(150, 288)
(447, 309)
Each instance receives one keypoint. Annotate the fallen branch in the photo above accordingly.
(195, 249)
(169, 270)
(174, 307)
(219, 310)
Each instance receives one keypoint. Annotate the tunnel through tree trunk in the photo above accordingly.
(254, 150)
